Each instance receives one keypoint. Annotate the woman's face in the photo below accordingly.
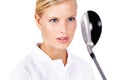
(58, 24)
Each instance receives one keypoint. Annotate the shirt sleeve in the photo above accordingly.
(90, 74)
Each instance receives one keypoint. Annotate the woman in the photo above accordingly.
(50, 59)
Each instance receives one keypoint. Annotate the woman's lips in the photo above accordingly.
(63, 39)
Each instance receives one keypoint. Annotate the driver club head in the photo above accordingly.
(91, 27)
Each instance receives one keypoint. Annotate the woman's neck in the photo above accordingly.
(54, 53)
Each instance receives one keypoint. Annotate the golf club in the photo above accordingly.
(91, 27)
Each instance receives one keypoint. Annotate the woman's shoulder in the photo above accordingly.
(23, 69)
(26, 62)
(80, 61)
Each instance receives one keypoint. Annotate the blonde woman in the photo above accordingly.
(50, 59)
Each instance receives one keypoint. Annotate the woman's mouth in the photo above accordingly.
(63, 39)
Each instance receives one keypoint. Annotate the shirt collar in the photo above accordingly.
(39, 56)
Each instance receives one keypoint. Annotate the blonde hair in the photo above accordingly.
(43, 5)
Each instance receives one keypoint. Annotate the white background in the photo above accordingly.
(19, 33)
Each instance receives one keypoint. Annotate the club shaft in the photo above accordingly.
(98, 66)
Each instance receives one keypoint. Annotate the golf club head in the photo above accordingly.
(91, 27)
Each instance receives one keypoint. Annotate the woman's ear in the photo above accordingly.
(38, 20)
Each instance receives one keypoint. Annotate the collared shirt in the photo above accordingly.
(39, 66)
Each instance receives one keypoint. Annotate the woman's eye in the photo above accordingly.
(53, 20)
(71, 19)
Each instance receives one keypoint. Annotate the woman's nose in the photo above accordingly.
(63, 28)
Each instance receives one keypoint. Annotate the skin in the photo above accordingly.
(58, 26)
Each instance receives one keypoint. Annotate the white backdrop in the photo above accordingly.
(18, 34)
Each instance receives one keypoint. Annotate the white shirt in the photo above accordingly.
(39, 66)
